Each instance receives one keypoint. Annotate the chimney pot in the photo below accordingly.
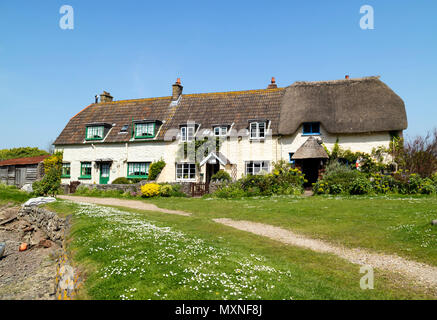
(272, 84)
(177, 90)
(106, 97)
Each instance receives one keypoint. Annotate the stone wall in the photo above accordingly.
(185, 186)
(50, 223)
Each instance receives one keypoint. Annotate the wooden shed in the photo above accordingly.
(21, 171)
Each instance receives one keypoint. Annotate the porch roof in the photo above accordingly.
(219, 156)
(311, 149)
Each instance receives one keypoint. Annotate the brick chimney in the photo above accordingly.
(177, 90)
(272, 84)
(106, 97)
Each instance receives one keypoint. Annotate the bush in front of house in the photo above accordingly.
(150, 190)
(121, 180)
(283, 180)
(361, 185)
(221, 175)
(50, 183)
(155, 169)
(168, 190)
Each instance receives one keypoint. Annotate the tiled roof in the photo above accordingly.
(205, 108)
(23, 161)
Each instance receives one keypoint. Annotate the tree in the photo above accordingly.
(22, 152)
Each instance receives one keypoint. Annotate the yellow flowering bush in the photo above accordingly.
(151, 190)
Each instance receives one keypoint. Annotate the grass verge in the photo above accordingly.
(148, 255)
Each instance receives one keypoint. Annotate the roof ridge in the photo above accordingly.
(192, 94)
(339, 81)
(234, 92)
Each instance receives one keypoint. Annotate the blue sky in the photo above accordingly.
(137, 49)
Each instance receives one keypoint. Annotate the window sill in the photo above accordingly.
(84, 178)
(65, 177)
(151, 137)
(95, 139)
(137, 177)
(311, 134)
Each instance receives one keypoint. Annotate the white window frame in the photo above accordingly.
(187, 133)
(188, 167)
(95, 132)
(220, 131)
(138, 167)
(256, 165)
(145, 130)
(255, 130)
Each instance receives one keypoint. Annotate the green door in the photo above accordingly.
(104, 173)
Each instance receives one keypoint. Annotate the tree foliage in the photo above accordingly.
(22, 152)
(417, 155)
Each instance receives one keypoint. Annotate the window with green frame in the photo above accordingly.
(85, 170)
(144, 130)
(138, 169)
(95, 133)
(65, 170)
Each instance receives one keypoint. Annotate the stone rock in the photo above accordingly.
(45, 243)
(434, 222)
(27, 187)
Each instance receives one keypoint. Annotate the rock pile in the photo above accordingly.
(50, 223)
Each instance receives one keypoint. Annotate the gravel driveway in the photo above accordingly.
(133, 204)
(424, 274)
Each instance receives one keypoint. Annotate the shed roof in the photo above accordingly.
(23, 161)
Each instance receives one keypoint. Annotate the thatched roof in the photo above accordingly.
(343, 106)
(311, 149)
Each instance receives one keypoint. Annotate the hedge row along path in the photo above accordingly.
(426, 275)
(133, 204)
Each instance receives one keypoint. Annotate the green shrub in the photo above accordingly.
(155, 169)
(382, 183)
(166, 190)
(121, 180)
(221, 175)
(284, 180)
(360, 185)
(337, 179)
(428, 187)
(50, 183)
(230, 191)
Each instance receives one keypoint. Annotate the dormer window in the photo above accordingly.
(258, 130)
(95, 133)
(144, 130)
(187, 133)
(220, 131)
(311, 128)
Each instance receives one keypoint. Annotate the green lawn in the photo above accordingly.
(391, 224)
(150, 255)
(10, 194)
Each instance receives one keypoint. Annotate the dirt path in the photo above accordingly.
(424, 274)
(133, 204)
(28, 275)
